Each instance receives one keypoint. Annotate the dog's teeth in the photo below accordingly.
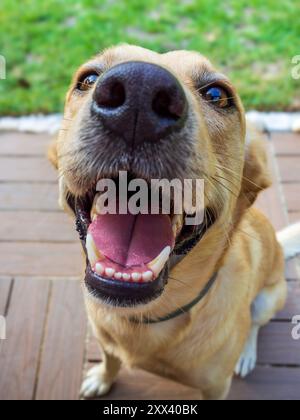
(109, 272)
(158, 263)
(118, 276)
(126, 276)
(136, 277)
(99, 269)
(93, 255)
(147, 276)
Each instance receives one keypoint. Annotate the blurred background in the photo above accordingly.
(45, 41)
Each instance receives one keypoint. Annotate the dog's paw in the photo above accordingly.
(94, 384)
(247, 361)
(245, 365)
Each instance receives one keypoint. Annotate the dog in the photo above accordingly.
(183, 302)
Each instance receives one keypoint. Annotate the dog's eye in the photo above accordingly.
(87, 81)
(218, 96)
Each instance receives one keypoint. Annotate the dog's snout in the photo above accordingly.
(140, 102)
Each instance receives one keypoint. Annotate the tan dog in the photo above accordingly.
(170, 116)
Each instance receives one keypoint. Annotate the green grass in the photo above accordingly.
(45, 41)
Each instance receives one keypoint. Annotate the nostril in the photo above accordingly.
(112, 95)
(166, 106)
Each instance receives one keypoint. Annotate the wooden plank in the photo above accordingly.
(93, 353)
(37, 259)
(289, 168)
(268, 383)
(63, 350)
(13, 144)
(5, 284)
(277, 346)
(286, 144)
(140, 385)
(292, 196)
(292, 306)
(37, 226)
(26, 169)
(14, 196)
(19, 354)
(292, 271)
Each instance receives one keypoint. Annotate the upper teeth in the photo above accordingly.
(159, 262)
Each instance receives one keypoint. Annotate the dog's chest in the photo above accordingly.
(138, 344)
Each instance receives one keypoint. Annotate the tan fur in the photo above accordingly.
(200, 348)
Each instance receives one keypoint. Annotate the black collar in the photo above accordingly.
(183, 309)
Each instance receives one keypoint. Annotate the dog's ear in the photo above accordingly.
(256, 175)
(52, 154)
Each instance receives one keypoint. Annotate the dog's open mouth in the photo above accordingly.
(128, 255)
(131, 248)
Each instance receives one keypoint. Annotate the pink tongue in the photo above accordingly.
(131, 240)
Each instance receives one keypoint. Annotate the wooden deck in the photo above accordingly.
(48, 345)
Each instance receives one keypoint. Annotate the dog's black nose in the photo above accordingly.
(140, 102)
